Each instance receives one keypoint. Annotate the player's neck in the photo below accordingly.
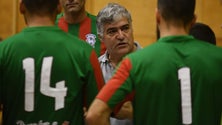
(40, 21)
(172, 31)
(114, 59)
(74, 18)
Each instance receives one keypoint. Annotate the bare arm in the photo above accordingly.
(98, 113)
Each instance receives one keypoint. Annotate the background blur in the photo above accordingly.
(143, 14)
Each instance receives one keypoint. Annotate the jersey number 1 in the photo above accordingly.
(59, 92)
(184, 76)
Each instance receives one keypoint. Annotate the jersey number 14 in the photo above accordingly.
(59, 92)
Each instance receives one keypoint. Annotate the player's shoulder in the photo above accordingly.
(11, 39)
(216, 50)
(91, 16)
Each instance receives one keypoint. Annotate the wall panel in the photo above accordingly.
(6, 17)
(212, 15)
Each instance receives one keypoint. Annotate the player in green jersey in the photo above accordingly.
(80, 23)
(47, 76)
(177, 80)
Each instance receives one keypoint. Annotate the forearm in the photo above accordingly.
(98, 113)
(97, 120)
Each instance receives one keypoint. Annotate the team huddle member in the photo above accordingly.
(114, 24)
(42, 77)
(177, 80)
(203, 32)
(80, 23)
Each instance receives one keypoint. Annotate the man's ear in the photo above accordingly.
(21, 7)
(100, 37)
(194, 20)
(158, 16)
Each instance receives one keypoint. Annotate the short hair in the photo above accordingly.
(177, 11)
(203, 32)
(41, 7)
(109, 14)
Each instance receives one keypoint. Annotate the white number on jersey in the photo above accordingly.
(184, 76)
(59, 92)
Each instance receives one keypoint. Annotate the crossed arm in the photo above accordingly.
(98, 113)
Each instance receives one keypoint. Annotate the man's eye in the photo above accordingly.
(111, 32)
(125, 28)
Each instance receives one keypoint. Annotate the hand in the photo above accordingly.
(126, 111)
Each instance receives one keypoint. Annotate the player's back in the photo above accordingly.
(43, 71)
(164, 67)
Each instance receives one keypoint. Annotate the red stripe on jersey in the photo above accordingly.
(97, 71)
(116, 81)
(63, 24)
(85, 28)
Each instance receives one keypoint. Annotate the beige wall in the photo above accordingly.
(209, 12)
(143, 14)
(7, 17)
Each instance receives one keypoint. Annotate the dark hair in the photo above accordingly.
(41, 6)
(203, 32)
(177, 11)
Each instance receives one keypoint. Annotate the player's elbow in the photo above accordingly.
(98, 113)
(91, 118)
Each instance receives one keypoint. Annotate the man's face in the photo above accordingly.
(73, 6)
(118, 37)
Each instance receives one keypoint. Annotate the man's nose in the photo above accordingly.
(120, 34)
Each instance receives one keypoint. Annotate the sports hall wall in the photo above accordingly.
(143, 14)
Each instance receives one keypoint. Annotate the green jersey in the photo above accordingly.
(85, 30)
(177, 80)
(46, 77)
